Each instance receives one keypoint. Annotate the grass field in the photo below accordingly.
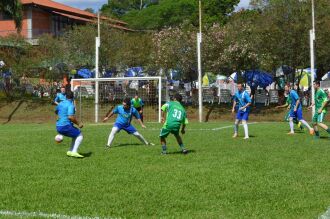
(271, 175)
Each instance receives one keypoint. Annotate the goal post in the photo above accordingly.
(112, 91)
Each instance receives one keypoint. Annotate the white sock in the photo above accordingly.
(291, 125)
(236, 126)
(246, 130)
(140, 137)
(305, 123)
(72, 143)
(77, 143)
(112, 136)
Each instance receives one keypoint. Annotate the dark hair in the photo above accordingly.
(69, 95)
(178, 97)
(317, 83)
(127, 100)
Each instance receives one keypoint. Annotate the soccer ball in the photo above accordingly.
(59, 138)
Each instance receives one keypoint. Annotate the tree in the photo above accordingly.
(14, 9)
(90, 10)
(170, 13)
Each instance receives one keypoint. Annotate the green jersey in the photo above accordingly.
(176, 115)
(320, 98)
(288, 100)
(137, 103)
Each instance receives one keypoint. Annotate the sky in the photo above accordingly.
(97, 4)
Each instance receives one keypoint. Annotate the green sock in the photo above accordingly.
(328, 130)
(317, 133)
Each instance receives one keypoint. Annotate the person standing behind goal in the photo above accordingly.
(138, 104)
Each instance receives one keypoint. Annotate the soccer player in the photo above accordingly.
(173, 116)
(242, 98)
(321, 101)
(60, 96)
(138, 105)
(296, 110)
(123, 122)
(287, 115)
(64, 125)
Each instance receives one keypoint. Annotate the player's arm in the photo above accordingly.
(55, 100)
(109, 114)
(282, 106)
(137, 116)
(324, 104)
(234, 106)
(297, 104)
(73, 118)
(247, 97)
(164, 112)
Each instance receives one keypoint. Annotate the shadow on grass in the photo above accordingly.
(180, 152)
(324, 137)
(132, 144)
(13, 112)
(88, 154)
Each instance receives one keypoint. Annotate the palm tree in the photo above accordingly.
(14, 8)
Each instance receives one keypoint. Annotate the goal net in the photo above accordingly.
(95, 97)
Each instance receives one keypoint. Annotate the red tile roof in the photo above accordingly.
(55, 6)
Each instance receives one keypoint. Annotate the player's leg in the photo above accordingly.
(180, 142)
(77, 138)
(140, 137)
(246, 129)
(112, 134)
(163, 134)
(316, 130)
(299, 116)
(236, 125)
(321, 123)
(291, 126)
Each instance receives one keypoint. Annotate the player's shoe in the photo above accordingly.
(299, 124)
(290, 133)
(235, 135)
(107, 147)
(74, 154)
(185, 151)
(245, 138)
(151, 144)
(163, 153)
(311, 132)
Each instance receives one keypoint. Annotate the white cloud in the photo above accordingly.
(244, 4)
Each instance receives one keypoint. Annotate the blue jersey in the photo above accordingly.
(60, 97)
(125, 116)
(242, 98)
(64, 110)
(294, 97)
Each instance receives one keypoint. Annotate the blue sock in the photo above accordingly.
(164, 147)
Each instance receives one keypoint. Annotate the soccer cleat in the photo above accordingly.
(290, 133)
(235, 135)
(163, 153)
(311, 132)
(246, 138)
(185, 151)
(151, 144)
(69, 153)
(76, 155)
(299, 124)
(107, 147)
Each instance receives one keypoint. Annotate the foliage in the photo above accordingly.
(14, 8)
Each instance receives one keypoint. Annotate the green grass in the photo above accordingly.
(271, 175)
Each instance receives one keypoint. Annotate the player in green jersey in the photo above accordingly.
(321, 101)
(138, 104)
(174, 116)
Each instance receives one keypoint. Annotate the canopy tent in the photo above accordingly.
(257, 78)
(85, 73)
(305, 77)
(284, 70)
(326, 76)
(134, 72)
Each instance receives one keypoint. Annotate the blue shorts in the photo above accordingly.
(68, 131)
(297, 115)
(243, 115)
(128, 128)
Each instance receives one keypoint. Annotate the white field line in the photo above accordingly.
(326, 215)
(24, 214)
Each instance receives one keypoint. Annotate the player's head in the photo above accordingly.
(287, 87)
(69, 95)
(136, 96)
(240, 86)
(63, 90)
(316, 84)
(177, 97)
(127, 103)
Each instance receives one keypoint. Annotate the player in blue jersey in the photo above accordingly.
(296, 110)
(60, 96)
(243, 100)
(123, 122)
(65, 111)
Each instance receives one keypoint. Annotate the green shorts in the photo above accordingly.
(166, 131)
(318, 117)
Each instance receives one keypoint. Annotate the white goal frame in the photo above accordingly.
(97, 80)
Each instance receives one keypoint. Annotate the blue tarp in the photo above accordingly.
(85, 73)
(255, 78)
(6, 74)
(134, 72)
(108, 74)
